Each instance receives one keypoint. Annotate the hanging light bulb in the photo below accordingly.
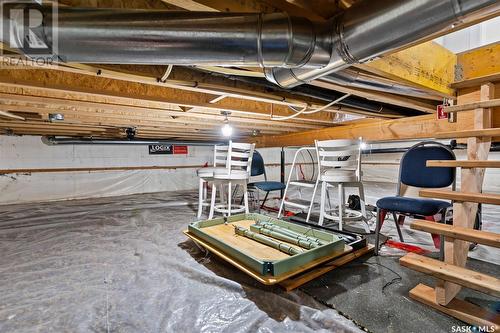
(227, 130)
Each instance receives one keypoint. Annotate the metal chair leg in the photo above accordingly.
(441, 237)
(264, 201)
(377, 232)
(396, 220)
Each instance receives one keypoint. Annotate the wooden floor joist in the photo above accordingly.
(460, 309)
(485, 198)
(463, 164)
(470, 235)
(459, 275)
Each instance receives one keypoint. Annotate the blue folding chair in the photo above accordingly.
(258, 169)
(414, 172)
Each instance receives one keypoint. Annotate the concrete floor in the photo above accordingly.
(122, 264)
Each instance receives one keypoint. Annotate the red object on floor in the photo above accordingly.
(286, 213)
(406, 247)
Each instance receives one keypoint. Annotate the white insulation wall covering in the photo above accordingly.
(28, 152)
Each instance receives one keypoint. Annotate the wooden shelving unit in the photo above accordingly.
(451, 274)
(464, 164)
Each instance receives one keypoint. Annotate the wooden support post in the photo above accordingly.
(464, 213)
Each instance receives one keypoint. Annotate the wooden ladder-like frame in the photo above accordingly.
(451, 273)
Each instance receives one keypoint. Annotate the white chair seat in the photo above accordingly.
(234, 174)
(339, 175)
(208, 172)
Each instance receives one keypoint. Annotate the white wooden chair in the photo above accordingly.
(206, 175)
(340, 165)
(237, 172)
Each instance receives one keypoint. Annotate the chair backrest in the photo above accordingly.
(339, 154)
(258, 166)
(414, 172)
(239, 156)
(220, 155)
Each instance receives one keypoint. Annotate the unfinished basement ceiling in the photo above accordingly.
(184, 102)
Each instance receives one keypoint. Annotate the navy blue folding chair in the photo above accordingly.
(413, 172)
(258, 169)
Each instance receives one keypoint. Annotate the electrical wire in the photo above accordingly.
(165, 76)
(304, 109)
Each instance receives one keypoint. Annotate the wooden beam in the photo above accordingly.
(486, 198)
(451, 231)
(462, 310)
(476, 82)
(124, 112)
(374, 130)
(429, 66)
(479, 62)
(471, 106)
(190, 5)
(10, 115)
(481, 282)
(463, 164)
(420, 127)
(76, 83)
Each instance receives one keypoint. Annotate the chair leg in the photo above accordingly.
(396, 222)
(312, 200)
(380, 220)
(212, 202)
(441, 237)
(436, 239)
(328, 200)
(264, 201)
(341, 205)
(245, 196)
(229, 197)
(200, 197)
(363, 206)
(322, 203)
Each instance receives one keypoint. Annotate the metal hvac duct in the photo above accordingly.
(293, 50)
(353, 78)
(121, 36)
(371, 28)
